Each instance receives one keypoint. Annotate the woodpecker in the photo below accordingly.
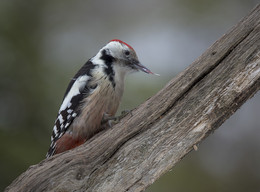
(93, 95)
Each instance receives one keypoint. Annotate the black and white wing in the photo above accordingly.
(77, 90)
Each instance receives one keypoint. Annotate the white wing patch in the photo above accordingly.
(68, 111)
(78, 85)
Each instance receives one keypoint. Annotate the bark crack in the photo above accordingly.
(204, 74)
(196, 81)
(106, 174)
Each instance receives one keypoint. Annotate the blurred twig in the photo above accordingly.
(137, 151)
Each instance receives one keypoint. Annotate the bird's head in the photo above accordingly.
(122, 56)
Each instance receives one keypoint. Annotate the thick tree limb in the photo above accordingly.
(137, 151)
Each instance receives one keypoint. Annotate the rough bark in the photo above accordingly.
(160, 132)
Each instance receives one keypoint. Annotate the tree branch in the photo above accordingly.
(137, 151)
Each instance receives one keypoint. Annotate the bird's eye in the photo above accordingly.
(127, 53)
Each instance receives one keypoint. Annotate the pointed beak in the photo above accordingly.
(141, 67)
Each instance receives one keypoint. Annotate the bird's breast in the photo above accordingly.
(105, 99)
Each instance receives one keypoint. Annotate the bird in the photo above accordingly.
(93, 95)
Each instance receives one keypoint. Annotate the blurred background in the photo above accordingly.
(44, 43)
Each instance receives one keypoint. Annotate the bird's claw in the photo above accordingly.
(111, 121)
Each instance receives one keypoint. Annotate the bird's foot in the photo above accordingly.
(111, 121)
